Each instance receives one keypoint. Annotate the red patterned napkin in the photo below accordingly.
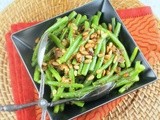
(141, 24)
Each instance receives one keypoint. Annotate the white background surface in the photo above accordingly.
(155, 5)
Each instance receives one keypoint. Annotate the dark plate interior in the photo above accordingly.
(24, 42)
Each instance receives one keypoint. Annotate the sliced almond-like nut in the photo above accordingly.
(88, 61)
(76, 67)
(110, 27)
(98, 71)
(85, 33)
(104, 72)
(70, 66)
(82, 48)
(88, 56)
(91, 41)
(91, 77)
(107, 49)
(110, 44)
(100, 55)
(44, 64)
(110, 52)
(55, 63)
(65, 80)
(94, 35)
(37, 40)
(84, 52)
(115, 59)
(107, 57)
(75, 73)
(98, 32)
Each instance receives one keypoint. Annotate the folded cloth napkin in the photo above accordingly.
(141, 24)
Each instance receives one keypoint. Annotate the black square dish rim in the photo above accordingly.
(107, 101)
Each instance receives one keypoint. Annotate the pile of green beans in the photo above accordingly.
(83, 54)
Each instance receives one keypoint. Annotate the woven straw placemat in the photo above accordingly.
(141, 104)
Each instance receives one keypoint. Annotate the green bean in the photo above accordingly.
(122, 65)
(100, 59)
(62, 107)
(104, 25)
(70, 50)
(57, 107)
(117, 29)
(95, 20)
(70, 35)
(80, 68)
(82, 42)
(83, 19)
(78, 93)
(134, 54)
(120, 46)
(97, 50)
(103, 79)
(125, 87)
(78, 103)
(86, 25)
(64, 32)
(56, 40)
(113, 24)
(72, 15)
(49, 75)
(57, 24)
(118, 76)
(78, 18)
(66, 85)
(72, 78)
(108, 62)
(55, 74)
(99, 15)
(35, 53)
(37, 74)
(85, 69)
(48, 56)
(59, 30)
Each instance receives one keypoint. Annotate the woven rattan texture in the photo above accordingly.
(138, 105)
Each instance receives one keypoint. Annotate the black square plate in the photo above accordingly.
(24, 42)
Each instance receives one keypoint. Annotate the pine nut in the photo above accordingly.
(91, 77)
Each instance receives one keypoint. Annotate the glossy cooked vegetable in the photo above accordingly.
(83, 54)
